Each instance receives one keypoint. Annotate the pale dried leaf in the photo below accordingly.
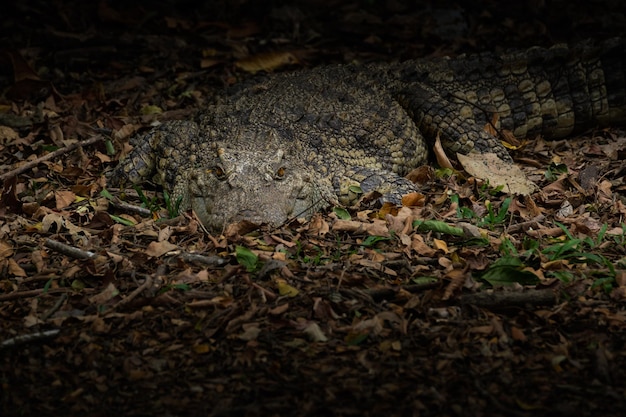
(157, 249)
(109, 292)
(6, 250)
(315, 333)
(266, 61)
(440, 154)
(64, 199)
(488, 166)
(15, 269)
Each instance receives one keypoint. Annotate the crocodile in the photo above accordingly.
(288, 145)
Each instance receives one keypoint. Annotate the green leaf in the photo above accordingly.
(78, 285)
(424, 280)
(46, 287)
(108, 144)
(181, 287)
(355, 189)
(121, 220)
(342, 213)
(354, 339)
(437, 226)
(508, 270)
(372, 240)
(106, 194)
(246, 258)
(553, 171)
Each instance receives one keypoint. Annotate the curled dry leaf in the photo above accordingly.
(157, 249)
(266, 61)
(440, 154)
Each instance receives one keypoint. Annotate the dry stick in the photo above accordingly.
(68, 250)
(131, 208)
(51, 155)
(32, 293)
(202, 259)
(45, 316)
(147, 283)
(27, 338)
(510, 299)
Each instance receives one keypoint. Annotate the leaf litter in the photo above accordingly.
(466, 300)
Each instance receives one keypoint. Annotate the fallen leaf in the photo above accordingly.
(6, 250)
(15, 269)
(285, 289)
(487, 166)
(266, 61)
(157, 249)
(315, 333)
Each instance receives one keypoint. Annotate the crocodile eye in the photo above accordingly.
(280, 173)
(219, 173)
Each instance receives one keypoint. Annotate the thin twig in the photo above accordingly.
(45, 316)
(202, 259)
(29, 165)
(68, 250)
(131, 208)
(502, 299)
(32, 293)
(146, 284)
(27, 338)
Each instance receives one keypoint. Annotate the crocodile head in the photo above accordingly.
(261, 186)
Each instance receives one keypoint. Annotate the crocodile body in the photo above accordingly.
(295, 143)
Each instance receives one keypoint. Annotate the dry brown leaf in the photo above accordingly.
(315, 333)
(6, 250)
(52, 219)
(157, 249)
(420, 247)
(109, 292)
(440, 245)
(488, 166)
(276, 311)
(421, 175)
(440, 154)
(15, 269)
(250, 331)
(64, 199)
(376, 266)
(457, 278)
(37, 258)
(318, 226)
(413, 200)
(266, 61)
(376, 228)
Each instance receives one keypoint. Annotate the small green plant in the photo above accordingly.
(151, 205)
(554, 170)
(248, 259)
(176, 287)
(316, 259)
(462, 212)
(492, 218)
(508, 270)
(487, 190)
(571, 249)
(620, 239)
(373, 240)
(172, 209)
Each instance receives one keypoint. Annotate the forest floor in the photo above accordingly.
(470, 302)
